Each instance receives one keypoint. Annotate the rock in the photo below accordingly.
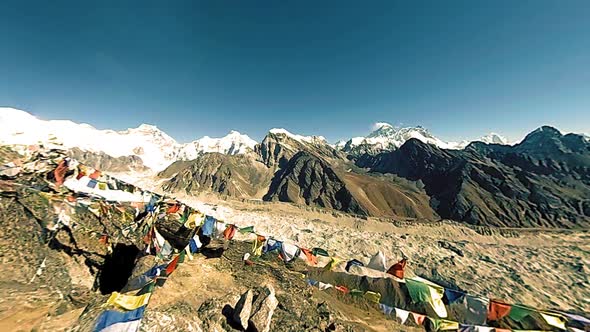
(263, 308)
(243, 309)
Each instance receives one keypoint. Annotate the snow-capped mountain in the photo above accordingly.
(156, 149)
(491, 138)
(232, 143)
(300, 138)
(386, 137)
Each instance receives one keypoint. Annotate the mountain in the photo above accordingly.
(386, 137)
(491, 138)
(310, 180)
(279, 145)
(542, 182)
(302, 170)
(103, 161)
(232, 144)
(234, 175)
(155, 148)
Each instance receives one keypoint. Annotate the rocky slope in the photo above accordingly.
(279, 145)
(541, 182)
(104, 162)
(300, 170)
(61, 271)
(309, 180)
(234, 175)
(306, 179)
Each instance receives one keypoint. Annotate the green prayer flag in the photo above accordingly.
(319, 252)
(518, 312)
(357, 292)
(181, 258)
(246, 230)
(147, 289)
(419, 292)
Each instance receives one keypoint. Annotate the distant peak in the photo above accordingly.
(548, 130)
(147, 127)
(280, 131)
(234, 133)
(14, 112)
(381, 125)
(308, 139)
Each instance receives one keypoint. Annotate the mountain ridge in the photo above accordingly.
(158, 150)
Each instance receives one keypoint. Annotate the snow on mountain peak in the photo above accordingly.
(387, 137)
(232, 143)
(156, 148)
(379, 125)
(493, 138)
(307, 139)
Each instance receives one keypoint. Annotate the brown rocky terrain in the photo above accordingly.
(62, 270)
(235, 175)
(290, 170)
(103, 161)
(309, 180)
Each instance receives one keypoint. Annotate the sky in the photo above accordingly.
(331, 68)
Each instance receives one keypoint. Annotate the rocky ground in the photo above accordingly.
(542, 268)
(59, 280)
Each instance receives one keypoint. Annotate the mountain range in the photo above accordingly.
(157, 150)
(402, 173)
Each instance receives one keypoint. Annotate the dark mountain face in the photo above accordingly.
(306, 179)
(542, 182)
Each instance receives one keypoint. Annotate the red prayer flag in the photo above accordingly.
(60, 173)
(343, 289)
(173, 209)
(172, 265)
(497, 310)
(94, 175)
(310, 257)
(229, 232)
(397, 269)
(418, 318)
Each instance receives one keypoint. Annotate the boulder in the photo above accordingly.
(263, 308)
(243, 309)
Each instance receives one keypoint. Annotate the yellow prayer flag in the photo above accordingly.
(447, 325)
(332, 264)
(436, 296)
(191, 222)
(128, 302)
(554, 320)
(258, 244)
(373, 296)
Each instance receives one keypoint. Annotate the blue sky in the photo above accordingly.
(459, 68)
